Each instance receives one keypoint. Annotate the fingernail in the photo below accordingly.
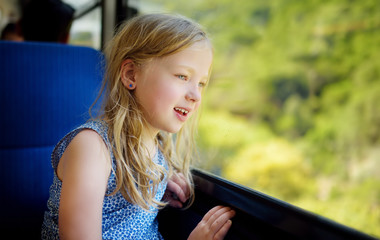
(233, 212)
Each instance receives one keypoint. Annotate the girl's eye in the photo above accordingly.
(201, 84)
(182, 77)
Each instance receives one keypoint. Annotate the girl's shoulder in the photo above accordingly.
(98, 127)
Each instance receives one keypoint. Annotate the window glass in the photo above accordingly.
(292, 109)
(86, 30)
(79, 3)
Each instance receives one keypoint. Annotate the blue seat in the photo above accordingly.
(46, 90)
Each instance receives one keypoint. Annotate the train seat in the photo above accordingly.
(45, 90)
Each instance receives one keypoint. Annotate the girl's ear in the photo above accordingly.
(128, 70)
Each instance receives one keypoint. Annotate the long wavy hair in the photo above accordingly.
(142, 39)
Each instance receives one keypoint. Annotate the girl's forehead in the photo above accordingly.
(191, 55)
(193, 52)
(204, 45)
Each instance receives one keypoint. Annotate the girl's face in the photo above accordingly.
(169, 88)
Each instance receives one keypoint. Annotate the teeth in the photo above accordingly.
(182, 110)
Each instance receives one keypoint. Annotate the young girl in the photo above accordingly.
(114, 173)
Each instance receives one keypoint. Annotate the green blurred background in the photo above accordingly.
(293, 106)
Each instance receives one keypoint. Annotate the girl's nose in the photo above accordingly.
(193, 94)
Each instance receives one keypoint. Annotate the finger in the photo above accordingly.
(221, 217)
(218, 213)
(175, 203)
(177, 190)
(180, 179)
(185, 185)
(210, 213)
(223, 231)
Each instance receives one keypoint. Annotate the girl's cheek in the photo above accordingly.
(198, 104)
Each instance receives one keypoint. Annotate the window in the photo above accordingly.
(292, 108)
(86, 29)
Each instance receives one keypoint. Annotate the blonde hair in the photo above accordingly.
(142, 39)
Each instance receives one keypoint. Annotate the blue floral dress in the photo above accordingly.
(121, 219)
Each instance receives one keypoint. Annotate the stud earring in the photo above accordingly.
(130, 85)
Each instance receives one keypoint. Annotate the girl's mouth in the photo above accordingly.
(181, 111)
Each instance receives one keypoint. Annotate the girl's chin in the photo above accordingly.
(173, 130)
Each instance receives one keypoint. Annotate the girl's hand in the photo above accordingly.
(214, 225)
(177, 191)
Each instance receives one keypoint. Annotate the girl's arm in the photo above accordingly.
(84, 169)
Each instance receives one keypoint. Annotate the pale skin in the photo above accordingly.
(84, 169)
(85, 165)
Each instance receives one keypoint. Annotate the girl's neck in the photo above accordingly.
(150, 141)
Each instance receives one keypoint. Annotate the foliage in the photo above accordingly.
(222, 134)
(295, 99)
(258, 164)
